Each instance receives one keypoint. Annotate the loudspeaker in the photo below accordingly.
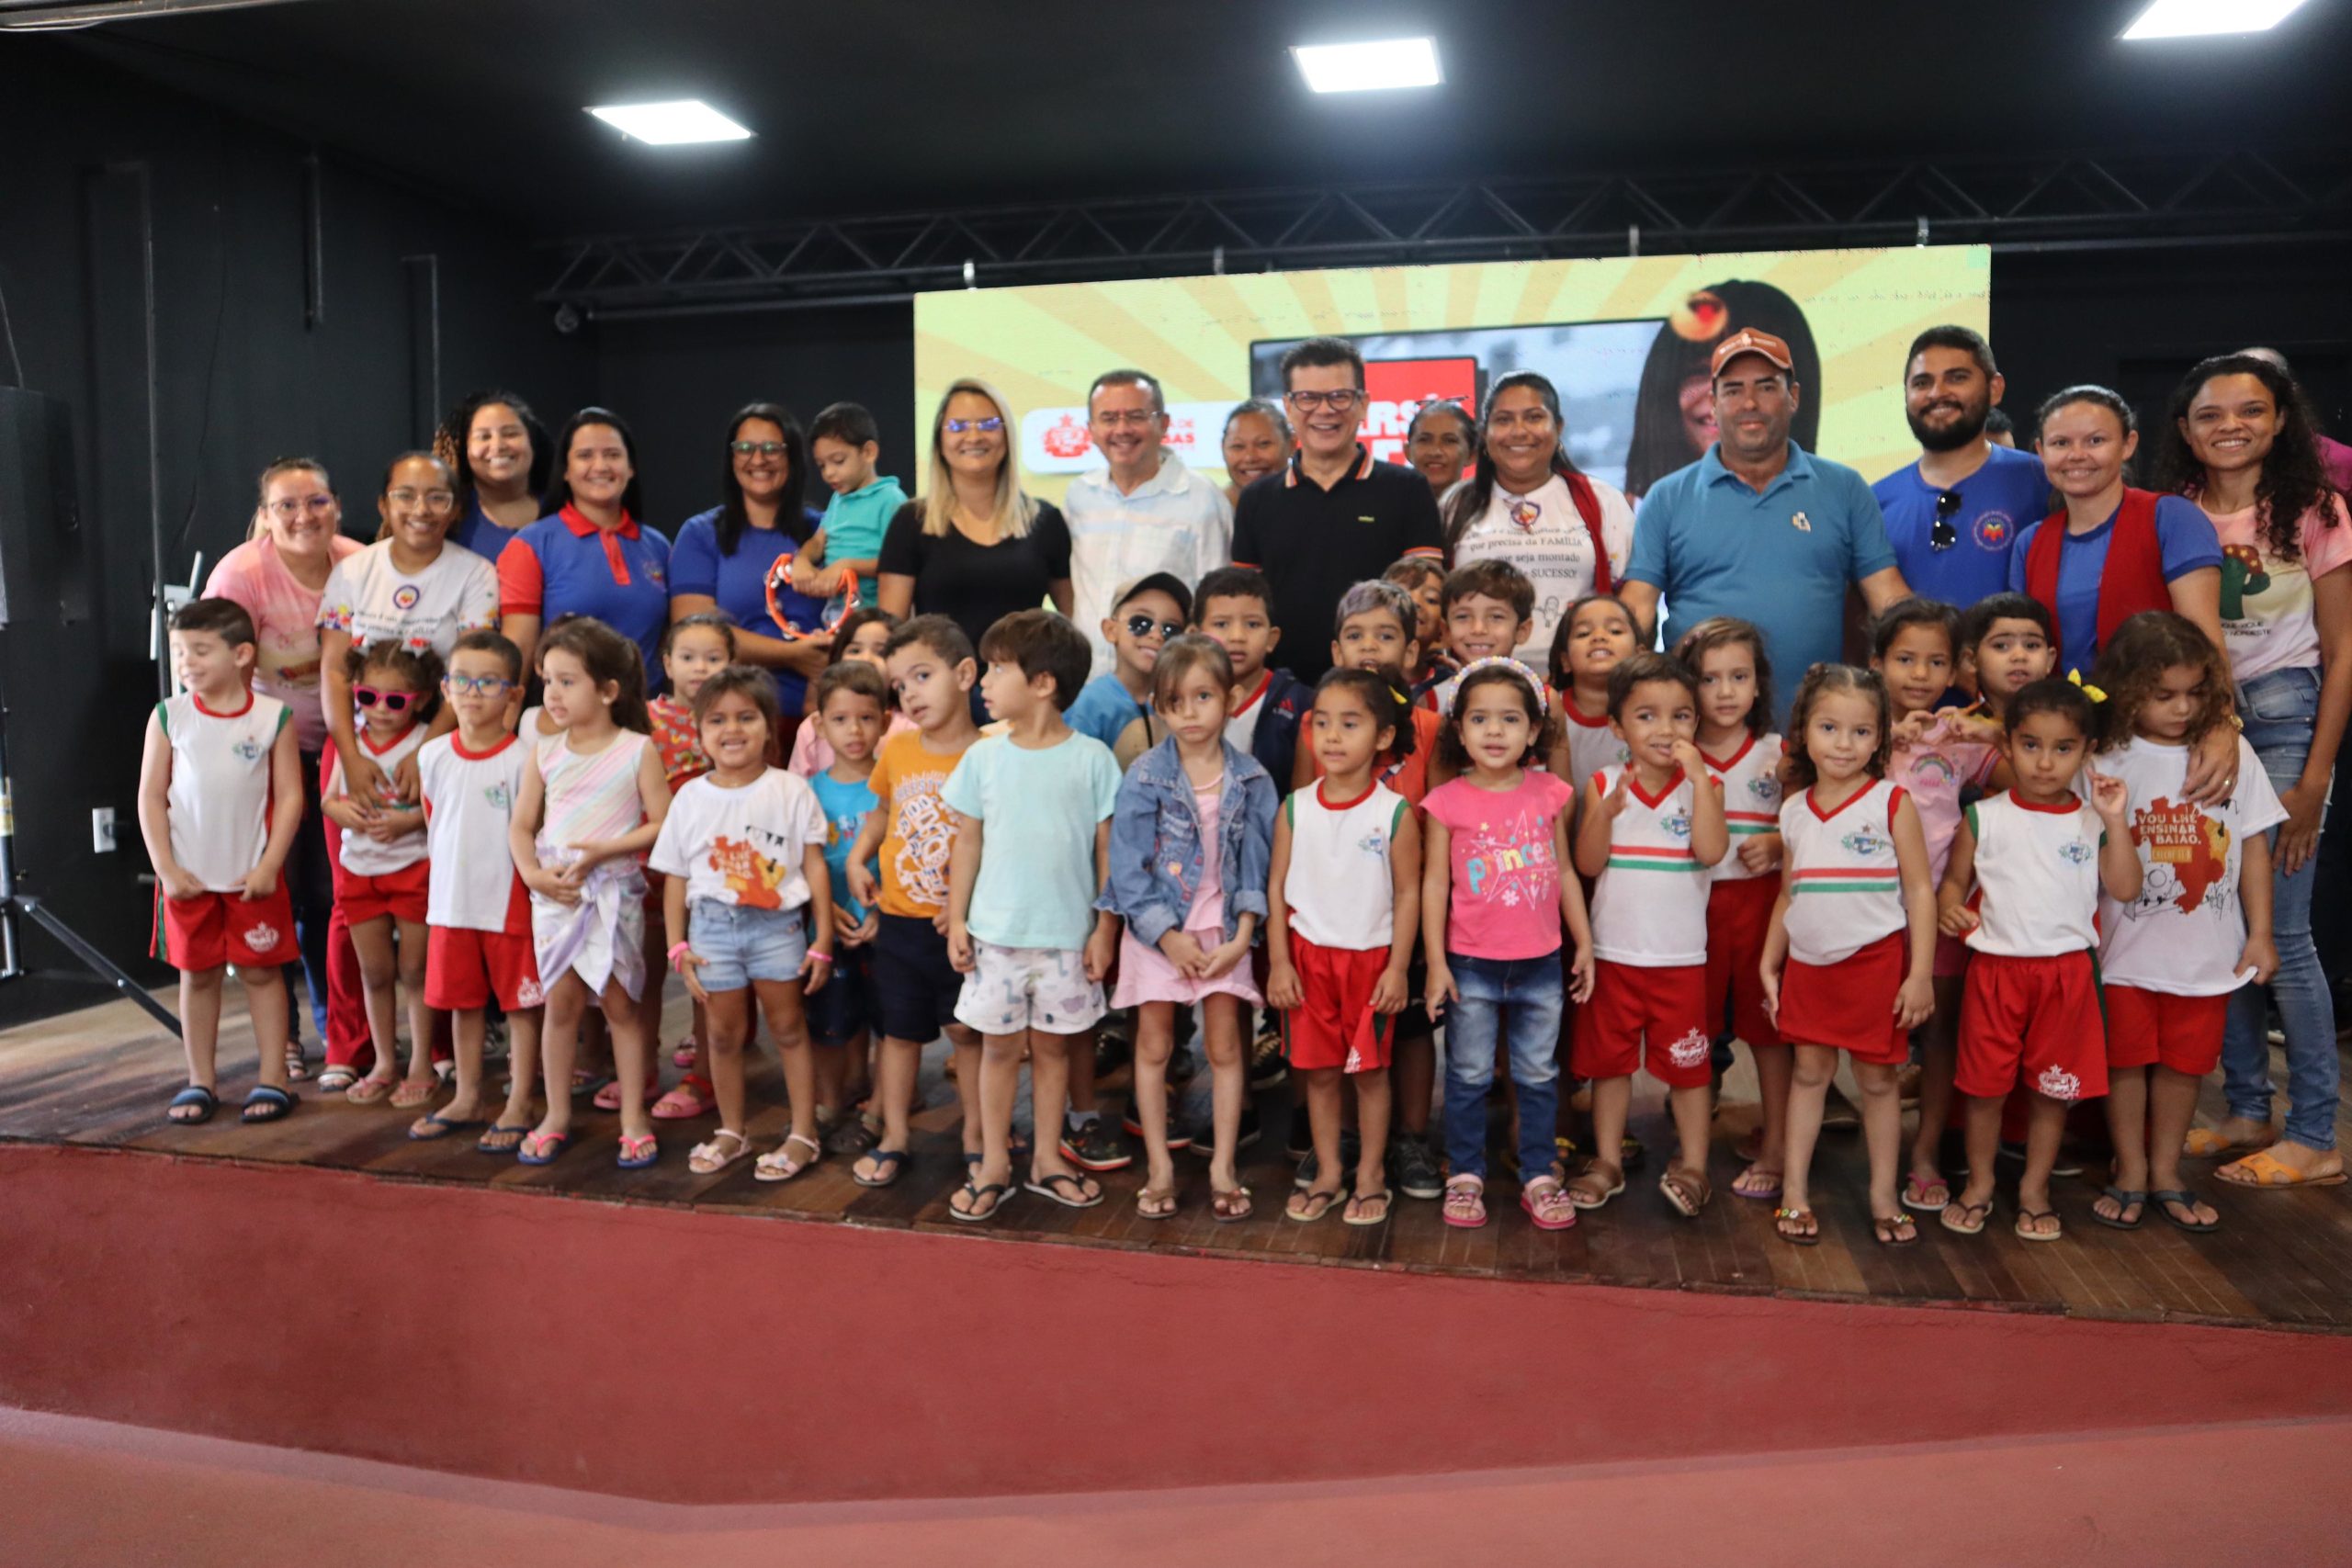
(43, 575)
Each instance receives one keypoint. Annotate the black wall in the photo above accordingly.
(242, 378)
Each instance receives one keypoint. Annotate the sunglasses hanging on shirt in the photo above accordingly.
(1943, 535)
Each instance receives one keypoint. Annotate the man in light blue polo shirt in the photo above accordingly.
(1953, 517)
(1760, 528)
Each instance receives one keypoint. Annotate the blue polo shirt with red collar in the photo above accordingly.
(565, 565)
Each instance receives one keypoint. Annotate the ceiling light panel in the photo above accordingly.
(671, 124)
(1369, 67)
(2199, 18)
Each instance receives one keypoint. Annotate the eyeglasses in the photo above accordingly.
(470, 685)
(756, 448)
(1144, 626)
(1942, 535)
(958, 426)
(439, 500)
(1339, 402)
(1117, 417)
(316, 504)
(392, 702)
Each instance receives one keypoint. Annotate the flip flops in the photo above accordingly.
(542, 1148)
(1310, 1205)
(1784, 1218)
(2026, 1218)
(1920, 1197)
(499, 1140)
(2123, 1198)
(1897, 1229)
(267, 1102)
(1967, 1219)
(441, 1127)
(972, 1213)
(198, 1095)
(1232, 1205)
(890, 1165)
(1052, 1186)
(2164, 1203)
(637, 1152)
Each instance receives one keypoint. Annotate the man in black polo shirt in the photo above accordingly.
(1333, 517)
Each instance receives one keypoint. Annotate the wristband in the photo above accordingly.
(679, 951)
(816, 957)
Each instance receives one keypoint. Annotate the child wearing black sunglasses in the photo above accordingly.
(381, 882)
(1145, 614)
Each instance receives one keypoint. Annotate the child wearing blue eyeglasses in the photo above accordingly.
(478, 913)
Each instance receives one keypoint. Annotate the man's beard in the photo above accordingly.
(1953, 436)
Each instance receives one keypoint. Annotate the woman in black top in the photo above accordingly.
(972, 547)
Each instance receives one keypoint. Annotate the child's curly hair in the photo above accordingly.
(1828, 680)
(1543, 724)
(1730, 631)
(2134, 660)
(420, 668)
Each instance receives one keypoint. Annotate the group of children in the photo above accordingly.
(1611, 865)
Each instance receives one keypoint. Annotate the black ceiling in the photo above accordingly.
(870, 105)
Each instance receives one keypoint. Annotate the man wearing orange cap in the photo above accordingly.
(1758, 528)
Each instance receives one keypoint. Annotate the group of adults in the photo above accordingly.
(2244, 534)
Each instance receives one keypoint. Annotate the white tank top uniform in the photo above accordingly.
(219, 797)
(363, 856)
(1592, 745)
(2037, 878)
(1340, 890)
(1845, 889)
(1751, 778)
(1649, 905)
(469, 804)
(2182, 935)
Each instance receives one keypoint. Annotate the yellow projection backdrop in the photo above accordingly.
(1042, 346)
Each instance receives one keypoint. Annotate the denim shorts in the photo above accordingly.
(739, 945)
(851, 1003)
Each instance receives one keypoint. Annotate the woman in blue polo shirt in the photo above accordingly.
(723, 556)
(589, 555)
(503, 459)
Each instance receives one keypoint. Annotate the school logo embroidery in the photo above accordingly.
(245, 748)
(405, 596)
(499, 798)
(1677, 826)
(527, 994)
(1866, 843)
(2076, 852)
(1765, 788)
(1994, 530)
(1374, 843)
(1800, 523)
(1690, 1051)
(260, 938)
(2057, 1083)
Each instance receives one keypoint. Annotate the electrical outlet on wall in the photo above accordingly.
(102, 830)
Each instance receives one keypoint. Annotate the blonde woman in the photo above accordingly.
(972, 547)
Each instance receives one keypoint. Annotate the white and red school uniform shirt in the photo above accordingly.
(1241, 725)
(363, 856)
(1649, 907)
(1339, 888)
(1751, 778)
(220, 800)
(2182, 935)
(1845, 890)
(2037, 877)
(1592, 745)
(469, 806)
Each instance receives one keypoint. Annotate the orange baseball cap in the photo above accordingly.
(1747, 340)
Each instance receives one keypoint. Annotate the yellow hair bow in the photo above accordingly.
(2094, 692)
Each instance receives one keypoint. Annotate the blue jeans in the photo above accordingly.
(1520, 999)
(309, 888)
(2279, 709)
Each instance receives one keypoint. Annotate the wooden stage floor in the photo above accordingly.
(101, 1078)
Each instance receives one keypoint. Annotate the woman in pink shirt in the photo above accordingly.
(278, 575)
(2240, 443)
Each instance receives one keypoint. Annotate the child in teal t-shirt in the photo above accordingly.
(844, 442)
(850, 705)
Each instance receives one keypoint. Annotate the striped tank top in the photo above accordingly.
(1845, 891)
(1649, 908)
(1751, 778)
(592, 797)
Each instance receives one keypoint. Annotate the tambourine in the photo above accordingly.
(780, 576)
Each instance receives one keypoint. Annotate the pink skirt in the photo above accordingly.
(1146, 975)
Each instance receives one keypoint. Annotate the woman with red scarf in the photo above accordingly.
(1530, 505)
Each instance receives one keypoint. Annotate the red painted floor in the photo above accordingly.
(78, 1491)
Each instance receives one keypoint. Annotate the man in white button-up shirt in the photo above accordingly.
(1144, 512)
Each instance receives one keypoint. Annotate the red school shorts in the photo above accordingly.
(464, 969)
(1850, 1005)
(2153, 1029)
(1335, 1026)
(1642, 1017)
(2031, 1020)
(213, 929)
(399, 895)
(1739, 915)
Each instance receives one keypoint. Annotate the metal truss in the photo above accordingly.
(2059, 200)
